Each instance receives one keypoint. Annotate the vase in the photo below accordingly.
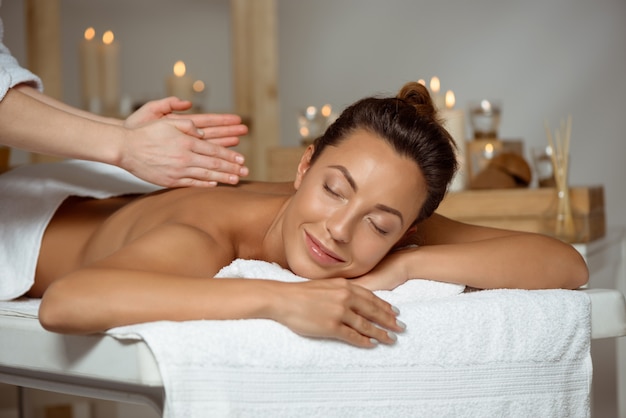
(560, 220)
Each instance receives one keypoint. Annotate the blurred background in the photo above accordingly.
(544, 60)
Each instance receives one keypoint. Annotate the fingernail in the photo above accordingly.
(233, 179)
(243, 171)
(201, 132)
(396, 310)
(374, 341)
(400, 324)
(392, 336)
(239, 159)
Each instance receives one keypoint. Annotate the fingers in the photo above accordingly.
(223, 131)
(167, 105)
(177, 104)
(370, 320)
(361, 318)
(214, 162)
(187, 127)
(206, 120)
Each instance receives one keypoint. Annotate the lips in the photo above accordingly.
(319, 253)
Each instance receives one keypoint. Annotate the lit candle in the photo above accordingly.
(90, 72)
(489, 151)
(110, 78)
(435, 87)
(179, 84)
(454, 122)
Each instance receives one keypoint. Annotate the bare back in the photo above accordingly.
(86, 230)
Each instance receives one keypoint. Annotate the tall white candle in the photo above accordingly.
(179, 84)
(454, 122)
(438, 99)
(90, 71)
(110, 78)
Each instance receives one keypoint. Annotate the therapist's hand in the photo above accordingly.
(179, 150)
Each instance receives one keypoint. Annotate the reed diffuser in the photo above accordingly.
(560, 220)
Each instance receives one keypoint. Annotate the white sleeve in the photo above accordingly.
(11, 74)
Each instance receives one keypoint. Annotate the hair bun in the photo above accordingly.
(418, 96)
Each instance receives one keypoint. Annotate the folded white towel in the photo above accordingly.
(412, 290)
(512, 353)
(29, 196)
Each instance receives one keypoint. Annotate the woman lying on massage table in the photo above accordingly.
(374, 178)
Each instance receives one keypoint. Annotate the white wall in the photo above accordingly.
(543, 59)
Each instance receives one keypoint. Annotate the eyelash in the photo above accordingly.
(376, 227)
(331, 191)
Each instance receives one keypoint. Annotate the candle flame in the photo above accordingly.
(485, 105)
(179, 69)
(310, 112)
(304, 132)
(489, 148)
(326, 110)
(108, 37)
(450, 99)
(198, 86)
(422, 82)
(435, 85)
(90, 33)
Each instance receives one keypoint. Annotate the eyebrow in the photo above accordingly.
(354, 187)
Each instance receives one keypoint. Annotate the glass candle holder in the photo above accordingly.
(542, 164)
(485, 118)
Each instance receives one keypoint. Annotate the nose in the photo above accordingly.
(340, 225)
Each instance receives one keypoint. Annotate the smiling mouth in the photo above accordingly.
(320, 253)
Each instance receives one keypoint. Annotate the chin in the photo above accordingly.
(311, 271)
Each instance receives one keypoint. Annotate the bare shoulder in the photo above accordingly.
(281, 188)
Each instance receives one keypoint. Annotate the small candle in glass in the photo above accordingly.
(485, 118)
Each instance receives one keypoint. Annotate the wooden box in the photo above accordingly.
(527, 209)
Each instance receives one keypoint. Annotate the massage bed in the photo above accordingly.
(514, 353)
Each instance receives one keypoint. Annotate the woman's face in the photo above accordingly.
(351, 206)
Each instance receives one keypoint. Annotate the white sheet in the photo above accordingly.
(29, 196)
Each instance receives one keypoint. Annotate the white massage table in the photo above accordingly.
(104, 367)
(100, 367)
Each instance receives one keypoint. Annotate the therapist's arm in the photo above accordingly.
(154, 143)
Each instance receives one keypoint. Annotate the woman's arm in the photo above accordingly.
(165, 275)
(480, 257)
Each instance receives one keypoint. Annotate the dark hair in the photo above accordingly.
(409, 123)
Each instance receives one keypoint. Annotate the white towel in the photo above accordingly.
(513, 353)
(29, 196)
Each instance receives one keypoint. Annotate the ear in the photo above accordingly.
(303, 166)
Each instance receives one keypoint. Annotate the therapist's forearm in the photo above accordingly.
(37, 95)
(32, 125)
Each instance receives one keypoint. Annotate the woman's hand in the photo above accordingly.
(339, 309)
(177, 150)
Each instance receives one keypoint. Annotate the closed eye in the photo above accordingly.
(331, 191)
(377, 228)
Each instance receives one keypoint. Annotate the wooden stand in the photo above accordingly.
(525, 209)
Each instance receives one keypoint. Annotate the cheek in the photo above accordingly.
(367, 253)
